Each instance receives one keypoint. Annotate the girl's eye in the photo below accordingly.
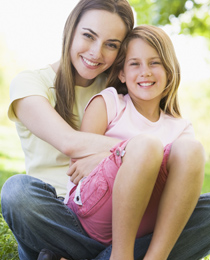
(155, 63)
(134, 64)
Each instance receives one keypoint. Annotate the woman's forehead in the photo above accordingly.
(103, 23)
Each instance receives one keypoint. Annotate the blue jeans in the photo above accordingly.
(39, 220)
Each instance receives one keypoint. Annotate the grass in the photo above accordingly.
(12, 162)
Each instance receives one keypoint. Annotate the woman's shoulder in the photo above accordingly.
(45, 74)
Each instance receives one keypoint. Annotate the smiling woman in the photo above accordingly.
(47, 106)
(94, 51)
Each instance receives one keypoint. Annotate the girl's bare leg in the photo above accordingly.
(132, 190)
(186, 172)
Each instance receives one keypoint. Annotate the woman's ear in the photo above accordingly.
(121, 76)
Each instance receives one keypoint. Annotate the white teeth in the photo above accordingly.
(146, 84)
(90, 63)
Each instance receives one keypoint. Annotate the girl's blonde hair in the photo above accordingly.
(162, 43)
(65, 79)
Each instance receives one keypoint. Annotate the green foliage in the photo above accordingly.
(196, 21)
(8, 244)
(192, 16)
(194, 100)
(206, 184)
(8, 70)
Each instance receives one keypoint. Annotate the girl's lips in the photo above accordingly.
(146, 84)
(90, 63)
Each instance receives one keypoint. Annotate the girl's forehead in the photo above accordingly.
(140, 46)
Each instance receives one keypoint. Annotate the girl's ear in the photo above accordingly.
(121, 76)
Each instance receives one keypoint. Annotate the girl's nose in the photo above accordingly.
(145, 72)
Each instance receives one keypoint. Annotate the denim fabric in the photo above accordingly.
(39, 220)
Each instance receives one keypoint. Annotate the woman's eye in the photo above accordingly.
(88, 35)
(112, 45)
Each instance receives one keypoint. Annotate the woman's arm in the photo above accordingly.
(36, 113)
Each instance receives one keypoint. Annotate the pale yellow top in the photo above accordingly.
(41, 159)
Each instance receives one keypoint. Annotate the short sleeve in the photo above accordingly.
(29, 83)
(114, 103)
(188, 131)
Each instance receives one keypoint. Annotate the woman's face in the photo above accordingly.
(96, 42)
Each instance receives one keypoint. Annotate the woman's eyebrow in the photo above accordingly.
(94, 33)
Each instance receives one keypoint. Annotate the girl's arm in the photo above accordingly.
(94, 121)
(36, 113)
(95, 117)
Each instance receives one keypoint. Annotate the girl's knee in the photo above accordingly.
(146, 145)
(188, 149)
(188, 155)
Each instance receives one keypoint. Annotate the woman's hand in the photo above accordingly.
(80, 168)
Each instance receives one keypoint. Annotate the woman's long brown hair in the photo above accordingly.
(65, 78)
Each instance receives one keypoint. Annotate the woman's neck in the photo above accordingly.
(79, 81)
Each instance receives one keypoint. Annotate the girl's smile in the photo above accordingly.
(144, 75)
(146, 84)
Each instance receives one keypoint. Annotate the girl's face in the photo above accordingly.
(96, 42)
(143, 73)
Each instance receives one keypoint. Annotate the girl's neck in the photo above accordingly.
(149, 110)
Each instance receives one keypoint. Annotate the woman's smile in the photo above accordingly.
(90, 64)
(94, 49)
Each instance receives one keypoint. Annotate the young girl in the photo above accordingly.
(154, 166)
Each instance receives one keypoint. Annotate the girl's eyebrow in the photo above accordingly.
(94, 33)
(151, 58)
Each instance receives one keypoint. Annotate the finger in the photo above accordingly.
(74, 176)
(77, 179)
(71, 170)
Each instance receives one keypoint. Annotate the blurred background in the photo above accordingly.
(31, 36)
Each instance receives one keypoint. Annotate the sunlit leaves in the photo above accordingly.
(193, 16)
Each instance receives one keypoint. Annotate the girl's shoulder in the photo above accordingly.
(177, 123)
(176, 120)
(115, 103)
(111, 92)
(112, 98)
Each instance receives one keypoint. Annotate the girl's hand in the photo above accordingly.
(80, 168)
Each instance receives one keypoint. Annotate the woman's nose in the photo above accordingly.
(96, 51)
